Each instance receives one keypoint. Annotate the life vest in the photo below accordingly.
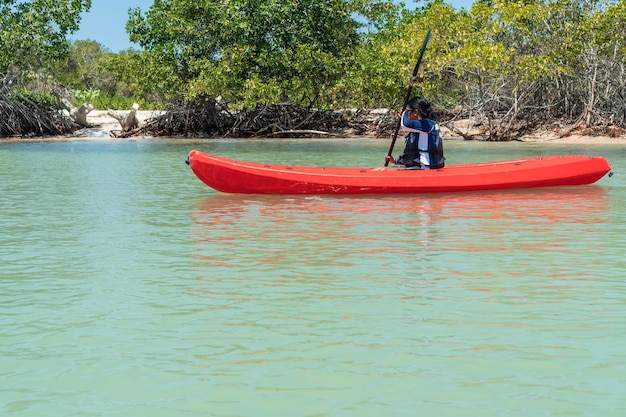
(424, 148)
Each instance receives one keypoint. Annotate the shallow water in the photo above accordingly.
(128, 288)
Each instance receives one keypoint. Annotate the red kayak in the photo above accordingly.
(231, 176)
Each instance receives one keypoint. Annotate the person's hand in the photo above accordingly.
(389, 158)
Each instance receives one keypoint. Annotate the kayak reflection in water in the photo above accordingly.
(424, 145)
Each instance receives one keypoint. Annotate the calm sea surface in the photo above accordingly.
(128, 288)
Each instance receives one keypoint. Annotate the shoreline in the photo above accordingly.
(104, 124)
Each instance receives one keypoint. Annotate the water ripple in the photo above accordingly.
(129, 288)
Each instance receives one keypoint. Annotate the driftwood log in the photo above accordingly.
(128, 120)
(78, 114)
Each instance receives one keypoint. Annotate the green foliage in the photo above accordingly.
(33, 33)
(144, 77)
(103, 100)
(108, 80)
(79, 71)
(86, 95)
(36, 98)
(254, 53)
(117, 102)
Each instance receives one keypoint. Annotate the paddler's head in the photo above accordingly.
(418, 107)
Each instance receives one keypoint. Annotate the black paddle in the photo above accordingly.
(408, 94)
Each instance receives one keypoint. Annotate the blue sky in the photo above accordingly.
(105, 22)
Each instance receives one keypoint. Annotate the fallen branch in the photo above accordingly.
(304, 132)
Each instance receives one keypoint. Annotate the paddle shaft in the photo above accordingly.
(408, 95)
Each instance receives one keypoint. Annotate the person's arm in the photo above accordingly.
(421, 125)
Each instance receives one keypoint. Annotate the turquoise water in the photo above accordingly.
(128, 288)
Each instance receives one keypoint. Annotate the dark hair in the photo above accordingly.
(421, 104)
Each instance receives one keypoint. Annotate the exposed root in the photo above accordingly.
(21, 116)
(211, 118)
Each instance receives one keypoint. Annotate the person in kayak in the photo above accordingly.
(424, 146)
